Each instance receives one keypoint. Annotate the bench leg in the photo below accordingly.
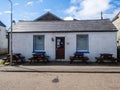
(114, 61)
(85, 61)
(45, 61)
(99, 61)
(30, 61)
(71, 61)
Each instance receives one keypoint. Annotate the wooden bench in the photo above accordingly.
(16, 57)
(106, 57)
(38, 58)
(20, 57)
(78, 57)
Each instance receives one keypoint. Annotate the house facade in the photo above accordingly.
(3, 39)
(116, 22)
(61, 39)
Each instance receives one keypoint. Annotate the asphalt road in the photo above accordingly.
(59, 81)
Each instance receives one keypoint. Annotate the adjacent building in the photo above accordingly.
(3, 39)
(116, 22)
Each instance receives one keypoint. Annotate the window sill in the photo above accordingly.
(39, 51)
(81, 51)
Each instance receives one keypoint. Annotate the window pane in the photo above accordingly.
(82, 42)
(39, 42)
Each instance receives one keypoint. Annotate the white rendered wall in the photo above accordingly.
(3, 39)
(99, 42)
(102, 42)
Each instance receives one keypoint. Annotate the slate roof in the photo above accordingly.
(48, 17)
(104, 25)
(1, 24)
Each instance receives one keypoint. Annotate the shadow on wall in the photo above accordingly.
(3, 51)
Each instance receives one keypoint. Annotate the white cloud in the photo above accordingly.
(72, 10)
(68, 18)
(29, 3)
(7, 12)
(75, 1)
(0, 13)
(87, 9)
(92, 7)
(47, 9)
(16, 4)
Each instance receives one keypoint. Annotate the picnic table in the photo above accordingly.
(106, 57)
(16, 57)
(38, 57)
(78, 56)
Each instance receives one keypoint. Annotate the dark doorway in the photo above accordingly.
(60, 47)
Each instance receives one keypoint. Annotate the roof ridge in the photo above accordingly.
(42, 18)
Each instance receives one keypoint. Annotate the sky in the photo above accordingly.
(65, 9)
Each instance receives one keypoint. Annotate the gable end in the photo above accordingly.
(48, 17)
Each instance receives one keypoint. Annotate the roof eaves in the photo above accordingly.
(114, 30)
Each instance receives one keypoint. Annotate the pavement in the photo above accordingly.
(60, 68)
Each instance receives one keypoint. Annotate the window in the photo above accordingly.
(82, 42)
(38, 42)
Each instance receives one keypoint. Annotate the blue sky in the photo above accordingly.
(65, 9)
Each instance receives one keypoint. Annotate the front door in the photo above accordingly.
(60, 47)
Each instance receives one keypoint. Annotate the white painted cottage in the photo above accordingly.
(61, 39)
(3, 39)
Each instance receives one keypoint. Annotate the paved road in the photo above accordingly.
(59, 81)
(59, 77)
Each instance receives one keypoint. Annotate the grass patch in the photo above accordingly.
(2, 62)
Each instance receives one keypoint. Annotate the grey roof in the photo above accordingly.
(1, 24)
(104, 25)
(48, 17)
